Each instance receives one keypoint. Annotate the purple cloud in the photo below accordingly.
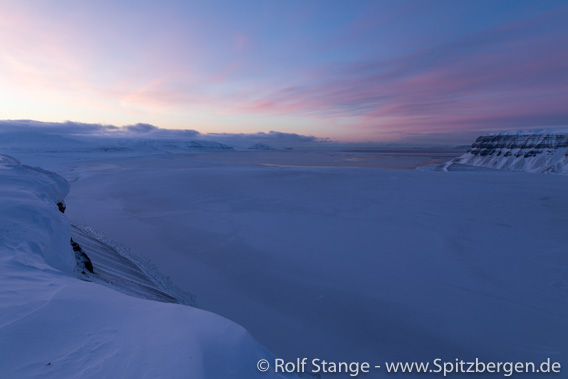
(514, 75)
(147, 131)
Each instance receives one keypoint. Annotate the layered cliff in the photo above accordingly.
(532, 151)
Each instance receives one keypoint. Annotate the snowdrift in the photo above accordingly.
(53, 325)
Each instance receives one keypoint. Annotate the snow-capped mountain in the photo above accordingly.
(173, 146)
(532, 151)
(260, 146)
(53, 325)
(34, 142)
(37, 141)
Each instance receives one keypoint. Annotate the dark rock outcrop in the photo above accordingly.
(83, 261)
(61, 206)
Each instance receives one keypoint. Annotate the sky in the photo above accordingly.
(378, 71)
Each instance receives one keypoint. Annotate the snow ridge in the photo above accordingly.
(119, 268)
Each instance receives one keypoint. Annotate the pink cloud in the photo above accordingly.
(514, 74)
(502, 78)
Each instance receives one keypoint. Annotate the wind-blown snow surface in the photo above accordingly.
(53, 325)
(350, 264)
(537, 151)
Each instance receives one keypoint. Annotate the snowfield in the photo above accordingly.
(53, 325)
(335, 262)
(351, 264)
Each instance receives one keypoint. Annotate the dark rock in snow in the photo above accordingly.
(83, 259)
(61, 206)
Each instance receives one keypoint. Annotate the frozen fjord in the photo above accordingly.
(349, 264)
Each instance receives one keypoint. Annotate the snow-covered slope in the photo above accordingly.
(174, 146)
(53, 325)
(260, 146)
(536, 151)
(123, 271)
(38, 142)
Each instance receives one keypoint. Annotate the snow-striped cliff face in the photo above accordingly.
(520, 151)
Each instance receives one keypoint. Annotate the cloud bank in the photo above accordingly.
(148, 131)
